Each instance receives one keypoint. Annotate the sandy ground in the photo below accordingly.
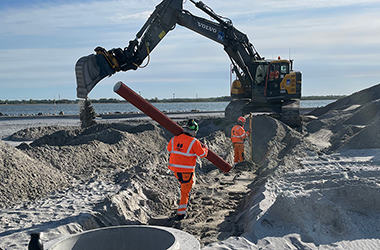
(110, 174)
(330, 202)
(318, 188)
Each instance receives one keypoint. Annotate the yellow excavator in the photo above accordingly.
(261, 85)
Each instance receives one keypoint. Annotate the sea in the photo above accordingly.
(109, 108)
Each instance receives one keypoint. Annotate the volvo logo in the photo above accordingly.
(206, 27)
(179, 146)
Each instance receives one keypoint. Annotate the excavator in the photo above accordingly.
(261, 85)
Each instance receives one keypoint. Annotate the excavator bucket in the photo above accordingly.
(89, 70)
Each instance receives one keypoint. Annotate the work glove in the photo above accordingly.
(203, 141)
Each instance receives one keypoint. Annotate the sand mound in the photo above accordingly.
(98, 150)
(24, 178)
(110, 133)
(304, 199)
(329, 200)
(30, 134)
(273, 141)
(365, 114)
(350, 122)
(301, 197)
(133, 156)
(359, 98)
(368, 137)
(209, 126)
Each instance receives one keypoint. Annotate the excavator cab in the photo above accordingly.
(276, 89)
(274, 80)
(281, 82)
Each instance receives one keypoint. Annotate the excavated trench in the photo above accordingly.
(123, 167)
(149, 192)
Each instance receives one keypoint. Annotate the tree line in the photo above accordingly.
(152, 100)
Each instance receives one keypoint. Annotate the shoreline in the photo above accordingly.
(118, 115)
(152, 100)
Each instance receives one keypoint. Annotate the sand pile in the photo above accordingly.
(331, 201)
(368, 137)
(99, 150)
(349, 123)
(150, 192)
(25, 178)
(310, 190)
(33, 133)
(362, 97)
(274, 143)
(133, 156)
(326, 197)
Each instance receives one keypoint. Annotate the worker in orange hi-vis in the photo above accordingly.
(238, 134)
(184, 150)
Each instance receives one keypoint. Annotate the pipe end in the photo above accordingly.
(117, 86)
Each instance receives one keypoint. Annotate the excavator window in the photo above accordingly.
(274, 72)
(284, 69)
(261, 72)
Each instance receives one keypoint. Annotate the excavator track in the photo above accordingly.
(288, 113)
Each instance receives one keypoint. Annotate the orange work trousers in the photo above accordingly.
(238, 152)
(186, 180)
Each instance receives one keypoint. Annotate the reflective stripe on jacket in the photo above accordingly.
(238, 134)
(184, 150)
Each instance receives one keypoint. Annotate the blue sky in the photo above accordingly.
(334, 43)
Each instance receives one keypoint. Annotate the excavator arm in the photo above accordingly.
(236, 44)
(93, 68)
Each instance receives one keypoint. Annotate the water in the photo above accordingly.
(104, 108)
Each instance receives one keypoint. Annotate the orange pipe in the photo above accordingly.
(140, 103)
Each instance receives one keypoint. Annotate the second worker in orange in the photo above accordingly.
(238, 134)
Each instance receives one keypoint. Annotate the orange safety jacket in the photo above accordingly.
(238, 134)
(184, 150)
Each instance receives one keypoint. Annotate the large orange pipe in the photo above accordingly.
(140, 103)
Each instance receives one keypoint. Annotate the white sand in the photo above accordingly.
(319, 189)
(58, 214)
(11, 126)
(332, 202)
(119, 176)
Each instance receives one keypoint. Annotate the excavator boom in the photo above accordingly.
(93, 68)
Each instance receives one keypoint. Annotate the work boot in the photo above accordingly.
(35, 242)
(241, 165)
(179, 217)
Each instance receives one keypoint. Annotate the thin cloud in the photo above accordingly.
(41, 43)
(42, 19)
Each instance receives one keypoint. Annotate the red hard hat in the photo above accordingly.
(241, 119)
